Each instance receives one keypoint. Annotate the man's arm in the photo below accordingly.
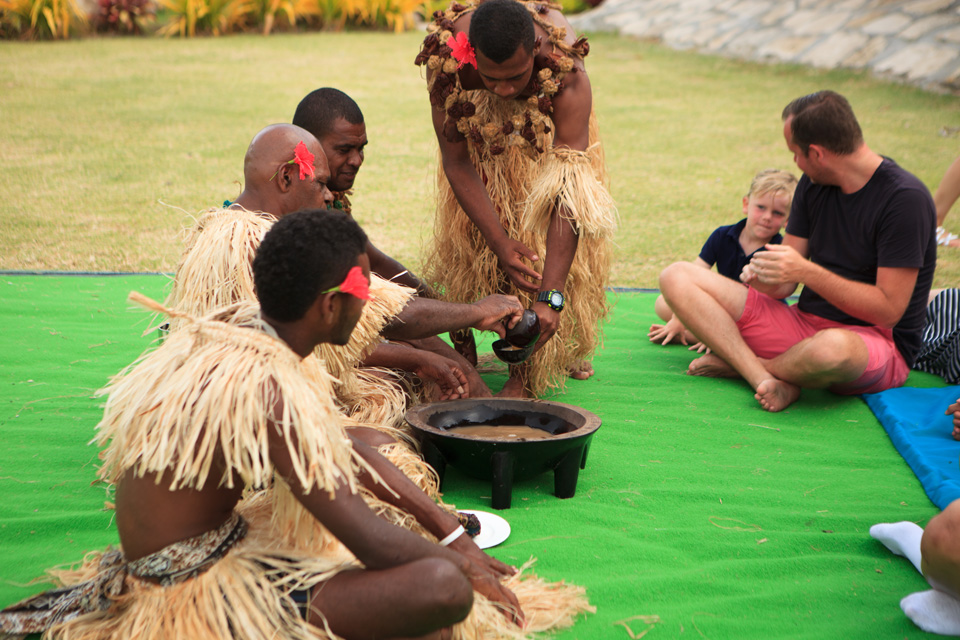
(423, 317)
(483, 570)
(375, 542)
(571, 121)
(392, 270)
(881, 304)
(428, 366)
(470, 192)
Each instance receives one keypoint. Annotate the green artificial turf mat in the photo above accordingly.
(695, 505)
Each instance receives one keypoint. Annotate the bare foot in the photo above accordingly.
(776, 395)
(711, 366)
(514, 389)
(581, 370)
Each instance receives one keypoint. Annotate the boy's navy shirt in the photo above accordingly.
(723, 249)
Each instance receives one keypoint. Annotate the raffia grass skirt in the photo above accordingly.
(244, 594)
(462, 266)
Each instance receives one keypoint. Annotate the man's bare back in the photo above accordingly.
(150, 516)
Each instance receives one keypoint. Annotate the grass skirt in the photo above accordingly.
(245, 590)
(524, 188)
(216, 270)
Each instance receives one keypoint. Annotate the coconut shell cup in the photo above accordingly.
(511, 354)
(527, 330)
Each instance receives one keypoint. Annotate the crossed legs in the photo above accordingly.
(710, 305)
(421, 599)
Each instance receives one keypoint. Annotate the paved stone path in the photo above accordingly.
(917, 42)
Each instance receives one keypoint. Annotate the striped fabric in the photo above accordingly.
(940, 349)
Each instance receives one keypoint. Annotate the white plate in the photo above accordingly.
(493, 528)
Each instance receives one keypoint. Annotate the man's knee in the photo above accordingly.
(941, 537)
(447, 588)
(836, 350)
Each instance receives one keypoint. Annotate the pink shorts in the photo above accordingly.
(770, 327)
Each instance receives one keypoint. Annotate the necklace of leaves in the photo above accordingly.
(446, 92)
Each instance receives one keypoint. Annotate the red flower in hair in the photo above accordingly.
(356, 284)
(462, 50)
(303, 159)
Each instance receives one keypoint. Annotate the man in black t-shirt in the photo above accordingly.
(861, 241)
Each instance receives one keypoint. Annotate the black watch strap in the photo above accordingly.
(554, 299)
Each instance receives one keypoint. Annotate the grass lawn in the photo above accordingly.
(108, 146)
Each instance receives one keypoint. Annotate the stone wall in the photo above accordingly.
(917, 42)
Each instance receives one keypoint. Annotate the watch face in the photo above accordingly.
(556, 299)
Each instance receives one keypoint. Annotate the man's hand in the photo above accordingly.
(485, 574)
(778, 264)
(549, 322)
(499, 313)
(665, 333)
(449, 378)
(468, 548)
(509, 253)
(955, 410)
(491, 588)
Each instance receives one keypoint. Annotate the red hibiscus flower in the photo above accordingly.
(303, 159)
(356, 284)
(462, 50)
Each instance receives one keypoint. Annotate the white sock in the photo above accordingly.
(903, 538)
(933, 611)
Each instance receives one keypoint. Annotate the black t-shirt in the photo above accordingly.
(723, 249)
(888, 223)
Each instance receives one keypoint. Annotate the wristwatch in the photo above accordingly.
(553, 298)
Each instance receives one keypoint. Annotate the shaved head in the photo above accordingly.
(272, 147)
(272, 182)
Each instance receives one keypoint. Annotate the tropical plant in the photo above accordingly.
(324, 14)
(124, 16)
(188, 18)
(267, 14)
(40, 19)
(396, 15)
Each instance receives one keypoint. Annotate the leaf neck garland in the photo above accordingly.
(447, 94)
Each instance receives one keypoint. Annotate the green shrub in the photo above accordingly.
(40, 19)
(188, 18)
(283, 14)
(396, 15)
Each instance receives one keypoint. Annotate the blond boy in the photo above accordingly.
(730, 247)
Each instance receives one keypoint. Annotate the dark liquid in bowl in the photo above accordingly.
(507, 432)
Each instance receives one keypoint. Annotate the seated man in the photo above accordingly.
(860, 239)
(337, 122)
(215, 270)
(199, 562)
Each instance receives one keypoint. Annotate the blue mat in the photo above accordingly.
(914, 420)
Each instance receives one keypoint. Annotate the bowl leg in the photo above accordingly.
(433, 457)
(586, 450)
(566, 473)
(502, 463)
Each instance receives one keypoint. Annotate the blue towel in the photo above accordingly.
(921, 433)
